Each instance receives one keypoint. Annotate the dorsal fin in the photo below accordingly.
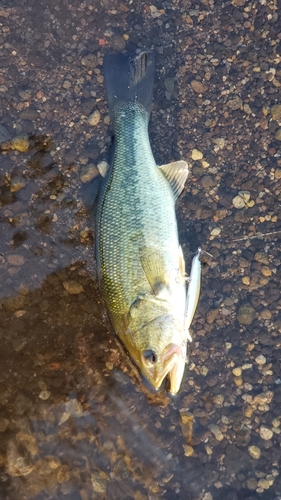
(176, 173)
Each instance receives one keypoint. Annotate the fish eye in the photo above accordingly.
(150, 356)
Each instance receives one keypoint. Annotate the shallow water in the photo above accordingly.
(76, 421)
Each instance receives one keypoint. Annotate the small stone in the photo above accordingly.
(99, 484)
(247, 109)
(238, 202)
(88, 173)
(276, 112)
(260, 360)
(254, 451)
(235, 103)
(216, 231)
(16, 259)
(198, 87)
(118, 42)
(188, 450)
(44, 395)
(266, 314)
(237, 371)
(4, 134)
(238, 3)
(73, 287)
(264, 484)
(218, 399)
(265, 433)
(278, 134)
(4, 424)
(277, 173)
(266, 271)
(94, 118)
(29, 114)
(261, 257)
(252, 483)
(245, 314)
(246, 280)
(20, 143)
(17, 183)
(103, 167)
(215, 430)
(196, 154)
(169, 84)
(90, 61)
(204, 370)
(238, 381)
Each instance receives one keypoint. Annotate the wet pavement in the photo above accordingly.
(76, 421)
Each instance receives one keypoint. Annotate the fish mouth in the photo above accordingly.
(173, 365)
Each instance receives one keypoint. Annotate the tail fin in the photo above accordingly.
(129, 79)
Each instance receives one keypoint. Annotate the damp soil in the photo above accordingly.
(76, 420)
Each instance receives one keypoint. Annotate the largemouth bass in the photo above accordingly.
(140, 263)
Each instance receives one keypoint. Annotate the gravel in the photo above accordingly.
(76, 420)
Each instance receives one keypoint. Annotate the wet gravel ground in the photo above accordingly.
(76, 421)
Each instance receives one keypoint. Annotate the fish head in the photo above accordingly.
(161, 352)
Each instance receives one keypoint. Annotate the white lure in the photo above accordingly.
(193, 291)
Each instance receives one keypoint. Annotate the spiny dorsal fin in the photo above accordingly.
(176, 173)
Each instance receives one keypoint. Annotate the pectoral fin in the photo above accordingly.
(153, 265)
(176, 174)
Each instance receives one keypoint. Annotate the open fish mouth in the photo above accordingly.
(172, 365)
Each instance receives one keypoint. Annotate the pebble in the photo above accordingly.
(261, 257)
(188, 450)
(196, 154)
(4, 424)
(238, 381)
(255, 452)
(208, 181)
(266, 314)
(73, 287)
(264, 484)
(17, 183)
(4, 134)
(218, 399)
(276, 422)
(245, 314)
(103, 167)
(204, 370)
(29, 114)
(169, 84)
(266, 271)
(260, 360)
(88, 173)
(252, 483)
(216, 231)
(198, 87)
(235, 103)
(20, 143)
(215, 430)
(94, 118)
(277, 173)
(237, 371)
(276, 112)
(90, 61)
(278, 134)
(265, 433)
(16, 259)
(246, 280)
(44, 395)
(238, 202)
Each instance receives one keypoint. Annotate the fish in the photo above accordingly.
(140, 263)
